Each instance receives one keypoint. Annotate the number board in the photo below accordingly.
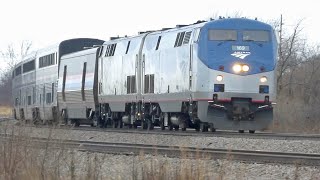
(240, 48)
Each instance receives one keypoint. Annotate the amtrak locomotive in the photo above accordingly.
(210, 75)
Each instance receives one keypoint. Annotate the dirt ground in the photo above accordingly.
(5, 111)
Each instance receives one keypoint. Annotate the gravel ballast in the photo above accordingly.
(69, 164)
(298, 146)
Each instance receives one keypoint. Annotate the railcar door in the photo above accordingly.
(193, 50)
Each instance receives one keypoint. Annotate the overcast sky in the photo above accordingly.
(45, 22)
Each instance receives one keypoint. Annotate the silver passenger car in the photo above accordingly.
(35, 80)
(23, 87)
(77, 87)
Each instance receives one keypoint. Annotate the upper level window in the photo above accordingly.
(29, 66)
(47, 60)
(18, 71)
(222, 35)
(256, 35)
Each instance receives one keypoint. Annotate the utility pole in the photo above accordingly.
(280, 53)
(280, 36)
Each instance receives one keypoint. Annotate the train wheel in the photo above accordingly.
(212, 129)
(95, 122)
(150, 125)
(162, 125)
(76, 123)
(251, 131)
(176, 128)
(103, 123)
(161, 122)
(135, 126)
(183, 126)
(69, 122)
(129, 126)
(241, 131)
(170, 127)
(114, 124)
(203, 127)
(120, 124)
(144, 125)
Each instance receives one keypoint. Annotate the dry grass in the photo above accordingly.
(21, 159)
(5, 111)
(292, 115)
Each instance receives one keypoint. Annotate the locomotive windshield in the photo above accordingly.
(256, 36)
(222, 35)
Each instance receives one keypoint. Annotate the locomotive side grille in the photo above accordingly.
(131, 84)
(187, 38)
(182, 38)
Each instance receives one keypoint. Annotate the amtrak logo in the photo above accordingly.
(240, 54)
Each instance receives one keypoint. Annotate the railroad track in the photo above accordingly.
(192, 132)
(180, 152)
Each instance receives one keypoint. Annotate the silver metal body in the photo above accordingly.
(35, 80)
(114, 70)
(153, 78)
(77, 89)
(174, 79)
(22, 89)
(46, 84)
(35, 91)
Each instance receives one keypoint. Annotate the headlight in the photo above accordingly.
(245, 68)
(263, 79)
(219, 78)
(236, 68)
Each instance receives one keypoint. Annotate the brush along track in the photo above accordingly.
(175, 151)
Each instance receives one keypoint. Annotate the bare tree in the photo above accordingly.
(236, 14)
(11, 57)
(291, 52)
(298, 80)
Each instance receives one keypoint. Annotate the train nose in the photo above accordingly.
(240, 107)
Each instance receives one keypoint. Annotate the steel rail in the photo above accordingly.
(192, 132)
(177, 151)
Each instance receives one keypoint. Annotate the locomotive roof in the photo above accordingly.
(239, 23)
(224, 23)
